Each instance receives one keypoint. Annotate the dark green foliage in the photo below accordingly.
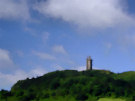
(4, 94)
(133, 98)
(81, 96)
(55, 84)
(83, 85)
(46, 95)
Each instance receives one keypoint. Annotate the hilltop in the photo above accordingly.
(72, 85)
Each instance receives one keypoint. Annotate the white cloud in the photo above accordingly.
(7, 80)
(87, 13)
(44, 36)
(59, 49)
(12, 9)
(30, 31)
(82, 68)
(5, 59)
(12, 78)
(43, 55)
(38, 71)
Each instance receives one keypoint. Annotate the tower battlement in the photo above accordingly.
(89, 63)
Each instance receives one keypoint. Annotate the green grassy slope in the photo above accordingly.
(111, 99)
(128, 76)
(71, 85)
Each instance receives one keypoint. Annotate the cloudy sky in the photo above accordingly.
(40, 36)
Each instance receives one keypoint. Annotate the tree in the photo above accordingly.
(5, 94)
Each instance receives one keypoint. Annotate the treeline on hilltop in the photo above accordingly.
(73, 86)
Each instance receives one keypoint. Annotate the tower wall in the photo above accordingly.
(89, 63)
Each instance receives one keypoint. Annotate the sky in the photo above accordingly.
(41, 36)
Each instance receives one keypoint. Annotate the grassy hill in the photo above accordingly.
(128, 76)
(71, 85)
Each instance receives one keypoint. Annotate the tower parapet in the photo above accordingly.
(89, 63)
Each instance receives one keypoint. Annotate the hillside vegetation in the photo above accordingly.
(71, 85)
(128, 76)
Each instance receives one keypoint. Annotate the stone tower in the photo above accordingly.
(89, 63)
